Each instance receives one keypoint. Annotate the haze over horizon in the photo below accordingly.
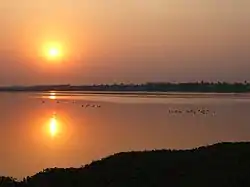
(93, 41)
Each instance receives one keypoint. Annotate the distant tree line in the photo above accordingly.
(209, 87)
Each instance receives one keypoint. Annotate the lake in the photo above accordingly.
(70, 129)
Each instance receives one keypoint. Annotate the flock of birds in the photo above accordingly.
(171, 111)
(191, 111)
(82, 105)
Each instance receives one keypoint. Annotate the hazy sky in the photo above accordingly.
(129, 41)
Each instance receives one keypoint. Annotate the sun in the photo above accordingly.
(53, 51)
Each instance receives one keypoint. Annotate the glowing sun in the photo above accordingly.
(53, 51)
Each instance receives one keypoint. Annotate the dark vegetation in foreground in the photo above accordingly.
(219, 87)
(219, 165)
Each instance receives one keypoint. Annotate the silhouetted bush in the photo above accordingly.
(220, 165)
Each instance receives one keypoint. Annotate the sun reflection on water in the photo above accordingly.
(53, 126)
(52, 96)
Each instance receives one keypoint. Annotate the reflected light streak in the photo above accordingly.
(52, 96)
(55, 130)
(53, 126)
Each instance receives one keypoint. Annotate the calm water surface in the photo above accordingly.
(44, 130)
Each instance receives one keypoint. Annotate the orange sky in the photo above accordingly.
(130, 41)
